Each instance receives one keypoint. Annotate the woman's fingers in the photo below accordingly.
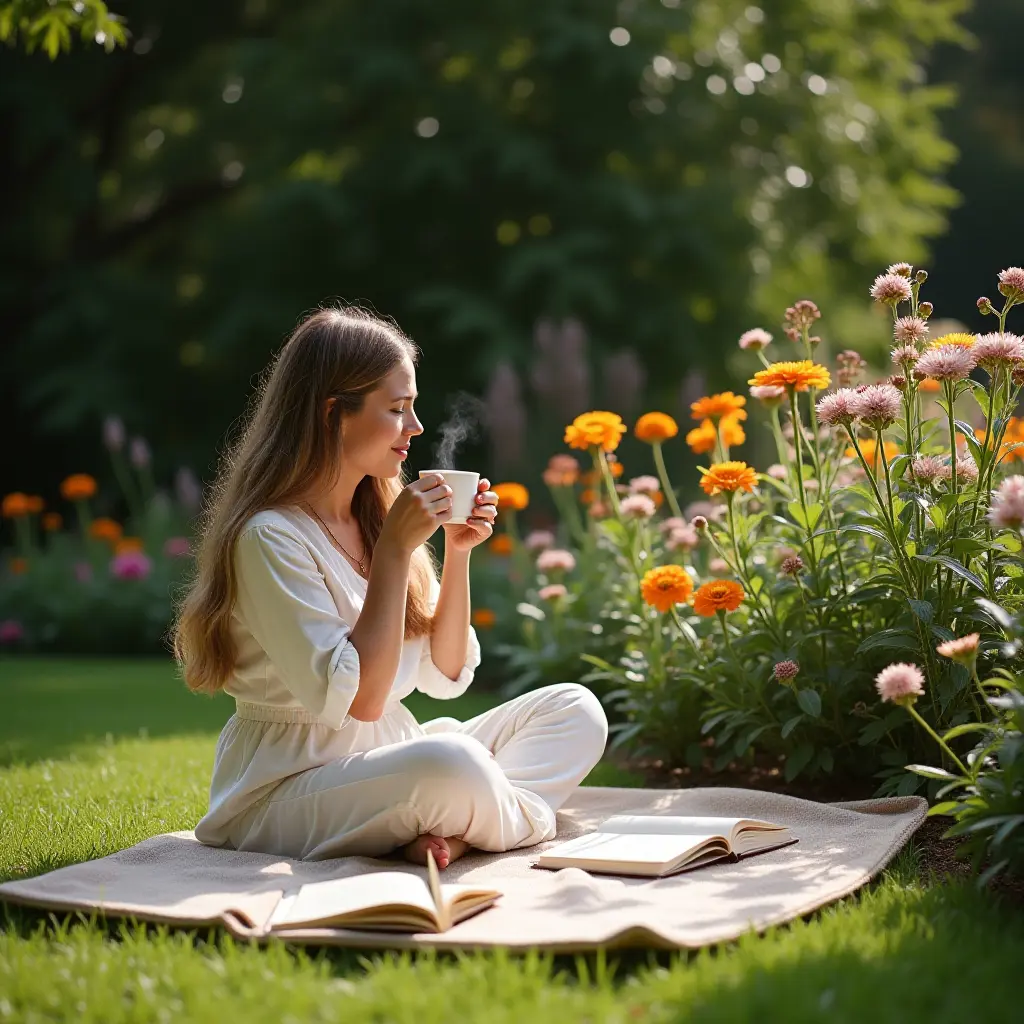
(488, 512)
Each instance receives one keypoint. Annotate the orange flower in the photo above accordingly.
(665, 586)
(717, 406)
(616, 468)
(512, 496)
(588, 496)
(929, 384)
(35, 504)
(869, 446)
(595, 429)
(128, 544)
(728, 476)
(655, 427)
(718, 595)
(18, 566)
(562, 471)
(702, 439)
(105, 529)
(52, 521)
(501, 544)
(1014, 434)
(958, 338)
(798, 376)
(484, 618)
(16, 504)
(732, 433)
(78, 486)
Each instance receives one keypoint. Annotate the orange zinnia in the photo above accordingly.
(655, 427)
(929, 384)
(128, 544)
(869, 446)
(718, 596)
(798, 376)
(595, 429)
(702, 439)
(16, 504)
(714, 407)
(35, 504)
(666, 586)
(18, 566)
(105, 529)
(513, 496)
(52, 521)
(78, 486)
(728, 476)
(501, 544)
(484, 618)
(732, 433)
(1014, 434)
(616, 468)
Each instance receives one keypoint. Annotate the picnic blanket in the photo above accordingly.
(173, 878)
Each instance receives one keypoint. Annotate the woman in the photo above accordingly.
(316, 605)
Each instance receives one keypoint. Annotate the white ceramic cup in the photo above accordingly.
(464, 488)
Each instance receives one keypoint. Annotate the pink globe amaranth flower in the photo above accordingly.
(877, 405)
(113, 434)
(717, 566)
(755, 339)
(926, 469)
(785, 671)
(685, 537)
(905, 356)
(966, 469)
(707, 509)
(1011, 282)
(801, 314)
(900, 269)
(993, 351)
(792, 565)
(11, 631)
(838, 408)
(900, 683)
(947, 362)
(139, 453)
(768, 394)
(908, 330)
(83, 572)
(672, 523)
(891, 289)
(131, 565)
(177, 547)
(810, 484)
(1007, 511)
(539, 540)
(777, 471)
(556, 560)
(638, 506)
(552, 592)
(963, 649)
(598, 510)
(644, 485)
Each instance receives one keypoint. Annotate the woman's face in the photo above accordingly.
(376, 439)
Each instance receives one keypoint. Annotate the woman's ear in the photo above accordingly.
(328, 406)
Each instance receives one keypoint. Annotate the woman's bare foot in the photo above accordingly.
(444, 850)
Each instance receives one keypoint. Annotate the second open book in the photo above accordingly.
(656, 845)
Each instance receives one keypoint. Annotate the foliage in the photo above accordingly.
(465, 168)
(48, 25)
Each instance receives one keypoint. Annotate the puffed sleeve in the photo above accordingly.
(285, 604)
(431, 680)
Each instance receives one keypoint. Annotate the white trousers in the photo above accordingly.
(445, 782)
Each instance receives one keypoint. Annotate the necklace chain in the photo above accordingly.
(330, 533)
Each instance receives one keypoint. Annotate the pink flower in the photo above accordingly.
(900, 683)
(177, 547)
(552, 592)
(83, 572)
(777, 471)
(131, 565)
(947, 362)
(905, 356)
(707, 509)
(792, 565)
(926, 469)
(785, 671)
(963, 649)
(1011, 282)
(801, 314)
(113, 434)
(878, 405)
(900, 269)
(644, 485)
(769, 394)
(754, 340)
(1007, 511)
(556, 560)
(672, 523)
(891, 289)
(718, 566)
(638, 506)
(995, 350)
(139, 453)
(11, 631)
(966, 469)
(538, 540)
(685, 537)
(699, 523)
(908, 330)
(838, 408)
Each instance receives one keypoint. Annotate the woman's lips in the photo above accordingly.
(403, 451)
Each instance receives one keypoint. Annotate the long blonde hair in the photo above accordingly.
(283, 450)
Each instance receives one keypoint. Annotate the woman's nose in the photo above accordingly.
(413, 426)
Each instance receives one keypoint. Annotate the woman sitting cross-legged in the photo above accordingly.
(316, 605)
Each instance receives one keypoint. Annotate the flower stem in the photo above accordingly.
(666, 485)
(935, 736)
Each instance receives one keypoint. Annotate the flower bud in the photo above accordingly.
(699, 523)
(921, 276)
(925, 310)
(898, 382)
(1018, 376)
(814, 340)
(985, 306)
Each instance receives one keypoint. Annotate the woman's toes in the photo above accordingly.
(439, 848)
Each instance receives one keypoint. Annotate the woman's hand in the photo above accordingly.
(417, 512)
(480, 524)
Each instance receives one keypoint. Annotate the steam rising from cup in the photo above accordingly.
(465, 414)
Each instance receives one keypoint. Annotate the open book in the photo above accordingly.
(383, 901)
(654, 846)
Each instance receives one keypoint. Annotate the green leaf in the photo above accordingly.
(894, 638)
(870, 530)
(932, 773)
(809, 702)
(962, 730)
(798, 761)
(790, 724)
(956, 567)
(924, 610)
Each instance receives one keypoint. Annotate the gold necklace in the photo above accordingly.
(330, 533)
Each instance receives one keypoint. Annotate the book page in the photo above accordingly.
(321, 901)
(669, 824)
(622, 848)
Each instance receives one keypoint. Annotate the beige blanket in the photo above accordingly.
(174, 878)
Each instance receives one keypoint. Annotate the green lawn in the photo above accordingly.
(96, 755)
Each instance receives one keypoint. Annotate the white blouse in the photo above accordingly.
(296, 671)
